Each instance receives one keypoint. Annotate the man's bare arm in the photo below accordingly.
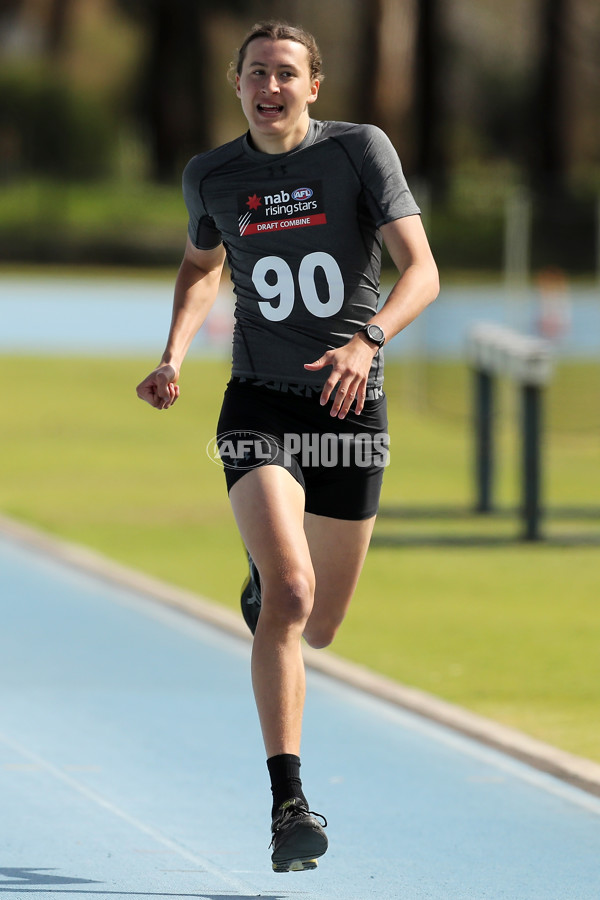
(196, 289)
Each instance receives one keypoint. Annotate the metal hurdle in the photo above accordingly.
(495, 351)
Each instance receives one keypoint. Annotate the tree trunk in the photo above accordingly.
(549, 139)
(174, 95)
(431, 162)
(57, 26)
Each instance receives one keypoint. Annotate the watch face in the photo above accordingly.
(376, 334)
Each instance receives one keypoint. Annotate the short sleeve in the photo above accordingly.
(387, 193)
(202, 230)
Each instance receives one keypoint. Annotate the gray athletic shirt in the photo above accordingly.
(301, 234)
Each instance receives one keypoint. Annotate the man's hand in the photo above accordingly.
(160, 388)
(351, 365)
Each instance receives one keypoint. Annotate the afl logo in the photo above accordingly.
(302, 194)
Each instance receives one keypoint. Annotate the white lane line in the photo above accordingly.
(232, 883)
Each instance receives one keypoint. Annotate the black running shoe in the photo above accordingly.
(298, 839)
(251, 599)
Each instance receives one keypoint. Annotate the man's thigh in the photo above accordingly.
(338, 548)
(268, 505)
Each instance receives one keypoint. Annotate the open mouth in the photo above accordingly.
(269, 109)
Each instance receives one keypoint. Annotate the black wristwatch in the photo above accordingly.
(375, 334)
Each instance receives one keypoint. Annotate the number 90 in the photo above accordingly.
(284, 289)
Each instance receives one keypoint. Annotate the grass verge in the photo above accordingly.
(508, 630)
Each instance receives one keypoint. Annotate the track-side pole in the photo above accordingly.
(484, 439)
(531, 411)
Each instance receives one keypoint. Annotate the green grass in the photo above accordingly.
(101, 205)
(106, 222)
(509, 630)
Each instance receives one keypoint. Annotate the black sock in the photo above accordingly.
(285, 779)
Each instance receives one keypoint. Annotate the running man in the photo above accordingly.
(299, 207)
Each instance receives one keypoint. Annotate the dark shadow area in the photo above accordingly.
(483, 535)
(28, 880)
(28, 876)
(84, 893)
(465, 512)
(475, 540)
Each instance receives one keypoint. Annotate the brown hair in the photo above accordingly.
(279, 31)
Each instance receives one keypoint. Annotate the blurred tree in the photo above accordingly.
(8, 9)
(564, 223)
(49, 125)
(174, 90)
(548, 153)
(370, 102)
(57, 26)
(52, 17)
(388, 94)
(431, 160)
(171, 97)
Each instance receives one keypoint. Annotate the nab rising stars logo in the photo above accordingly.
(290, 207)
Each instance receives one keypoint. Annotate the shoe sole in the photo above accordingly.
(295, 865)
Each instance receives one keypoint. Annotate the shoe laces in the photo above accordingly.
(294, 810)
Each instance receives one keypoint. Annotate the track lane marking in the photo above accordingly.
(96, 798)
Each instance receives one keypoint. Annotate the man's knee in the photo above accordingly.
(319, 635)
(288, 599)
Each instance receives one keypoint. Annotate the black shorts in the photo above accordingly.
(338, 462)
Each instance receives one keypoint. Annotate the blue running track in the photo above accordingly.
(131, 766)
